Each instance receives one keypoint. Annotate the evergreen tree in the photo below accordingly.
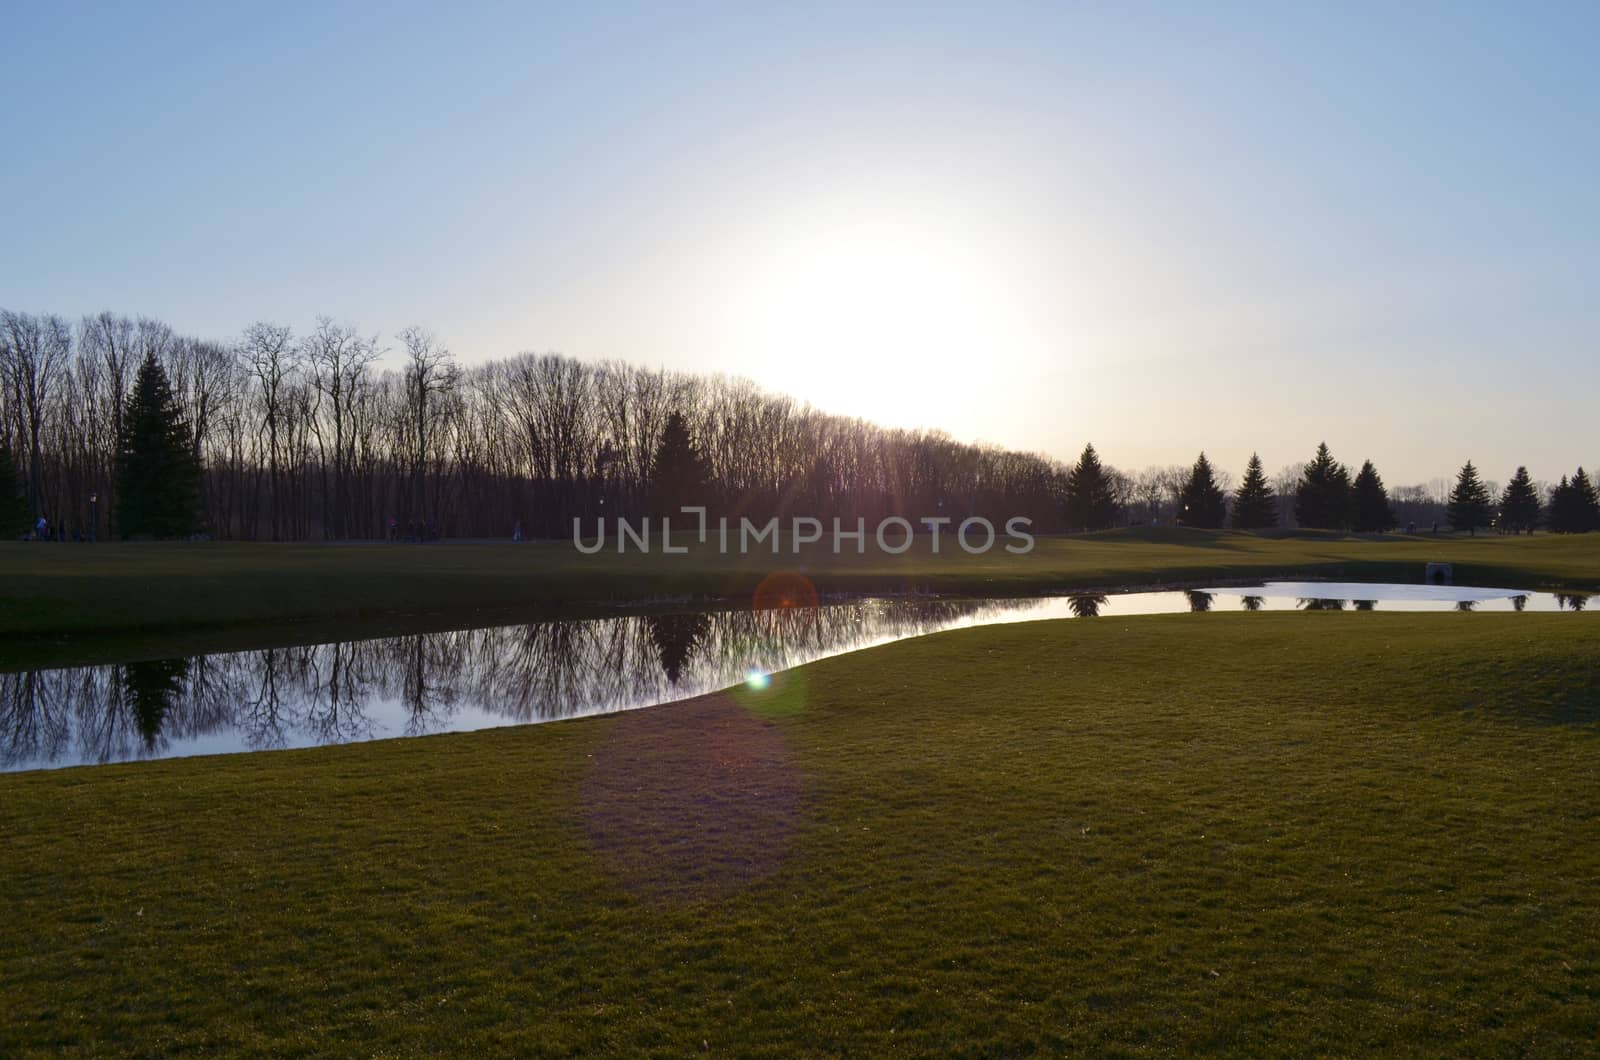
(1254, 506)
(1558, 514)
(1090, 505)
(157, 478)
(13, 506)
(1323, 500)
(1469, 506)
(678, 473)
(1519, 504)
(1585, 504)
(1202, 502)
(1372, 511)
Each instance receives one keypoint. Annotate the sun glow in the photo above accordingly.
(892, 320)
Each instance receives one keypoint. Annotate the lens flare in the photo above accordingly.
(757, 681)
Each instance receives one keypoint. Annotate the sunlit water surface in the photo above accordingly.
(507, 675)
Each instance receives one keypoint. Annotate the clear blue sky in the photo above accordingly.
(1162, 227)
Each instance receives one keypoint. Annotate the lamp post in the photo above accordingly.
(94, 519)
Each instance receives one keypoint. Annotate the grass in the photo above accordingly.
(126, 595)
(1306, 833)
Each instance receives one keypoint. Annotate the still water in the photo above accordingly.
(507, 675)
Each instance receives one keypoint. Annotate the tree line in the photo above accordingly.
(121, 426)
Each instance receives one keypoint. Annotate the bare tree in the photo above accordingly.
(430, 374)
(269, 355)
(33, 356)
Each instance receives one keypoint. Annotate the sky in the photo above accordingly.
(1162, 228)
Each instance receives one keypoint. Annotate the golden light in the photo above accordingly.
(891, 319)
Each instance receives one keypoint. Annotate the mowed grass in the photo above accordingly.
(1234, 833)
(124, 589)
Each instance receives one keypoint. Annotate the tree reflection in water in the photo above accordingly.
(467, 679)
(676, 637)
(1086, 605)
(152, 689)
(1199, 602)
(411, 685)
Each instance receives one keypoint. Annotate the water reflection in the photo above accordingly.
(472, 679)
(425, 683)
(1086, 605)
(151, 689)
(676, 637)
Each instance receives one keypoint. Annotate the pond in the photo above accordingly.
(514, 674)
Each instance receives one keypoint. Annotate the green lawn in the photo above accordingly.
(140, 590)
(1287, 833)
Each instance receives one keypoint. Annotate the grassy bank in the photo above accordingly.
(74, 590)
(1242, 833)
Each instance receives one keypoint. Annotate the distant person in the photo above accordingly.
(1436, 526)
(394, 528)
(516, 531)
(41, 529)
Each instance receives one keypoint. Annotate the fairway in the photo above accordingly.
(148, 599)
(1234, 833)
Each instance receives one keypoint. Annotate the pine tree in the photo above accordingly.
(1323, 500)
(1585, 504)
(678, 473)
(1519, 504)
(1202, 502)
(1254, 506)
(13, 506)
(1372, 511)
(1469, 506)
(1090, 505)
(157, 479)
(1558, 513)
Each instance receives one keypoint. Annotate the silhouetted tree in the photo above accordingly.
(1090, 505)
(1254, 506)
(1586, 503)
(1323, 499)
(1199, 602)
(1202, 503)
(1574, 507)
(158, 483)
(1519, 504)
(13, 506)
(1470, 506)
(1372, 511)
(1558, 513)
(678, 473)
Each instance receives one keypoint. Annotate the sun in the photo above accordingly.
(890, 319)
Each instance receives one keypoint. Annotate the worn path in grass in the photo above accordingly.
(1241, 833)
(184, 596)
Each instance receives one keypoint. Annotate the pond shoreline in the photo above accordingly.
(58, 650)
